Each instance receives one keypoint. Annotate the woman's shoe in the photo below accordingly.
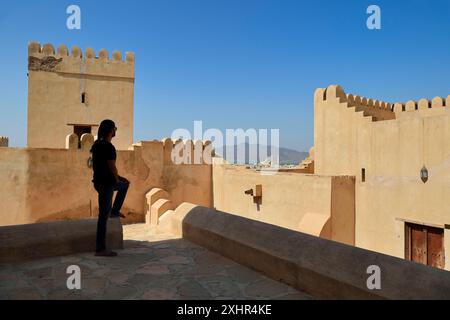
(117, 215)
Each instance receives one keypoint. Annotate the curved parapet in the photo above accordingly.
(208, 152)
(72, 141)
(399, 107)
(187, 151)
(319, 95)
(369, 109)
(76, 52)
(421, 105)
(167, 150)
(158, 208)
(117, 55)
(198, 151)
(87, 140)
(129, 56)
(351, 100)
(89, 53)
(378, 110)
(336, 91)
(424, 104)
(63, 51)
(103, 55)
(364, 101)
(48, 50)
(411, 105)
(437, 102)
(358, 101)
(177, 156)
(34, 48)
(152, 197)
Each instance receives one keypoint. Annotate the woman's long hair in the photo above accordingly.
(106, 126)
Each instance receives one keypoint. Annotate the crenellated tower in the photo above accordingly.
(72, 92)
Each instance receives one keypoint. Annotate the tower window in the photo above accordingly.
(363, 174)
(83, 97)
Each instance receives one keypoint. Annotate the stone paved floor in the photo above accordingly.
(150, 267)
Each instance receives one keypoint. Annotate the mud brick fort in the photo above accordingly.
(373, 191)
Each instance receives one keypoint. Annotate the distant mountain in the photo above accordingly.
(287, 156)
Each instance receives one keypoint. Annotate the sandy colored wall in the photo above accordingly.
(392, 152)
(393, 192)
(13, 185)
(343, 209)
(296, 201)
(55, 84)
(54, 184)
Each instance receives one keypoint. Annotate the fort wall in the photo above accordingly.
(318, 205)
(386, 158)
(55, 184)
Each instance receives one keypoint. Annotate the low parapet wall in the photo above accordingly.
(40, 240)
(322, 268)
(40, 185)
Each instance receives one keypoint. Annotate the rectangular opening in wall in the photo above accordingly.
(83, 97)
(79, 130)
(363, 174)
(425, 245)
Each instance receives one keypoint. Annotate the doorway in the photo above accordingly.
(425, 245)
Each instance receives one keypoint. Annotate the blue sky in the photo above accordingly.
(237, 64)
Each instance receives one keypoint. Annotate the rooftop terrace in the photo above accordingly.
(151, 266)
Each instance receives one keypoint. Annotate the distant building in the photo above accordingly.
(4, 141)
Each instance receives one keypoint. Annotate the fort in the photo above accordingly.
(359, 199)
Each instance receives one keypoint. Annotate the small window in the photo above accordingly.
(83, 97)
(363, 174)
(80, 130)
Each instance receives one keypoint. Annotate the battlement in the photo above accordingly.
(375, 109)
(181, 151)
(4, 141)
(45, 58)
(422, 104)
(337, 92)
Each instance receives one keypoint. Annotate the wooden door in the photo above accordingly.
(435, 247)
(425, 245)
(419, 244)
